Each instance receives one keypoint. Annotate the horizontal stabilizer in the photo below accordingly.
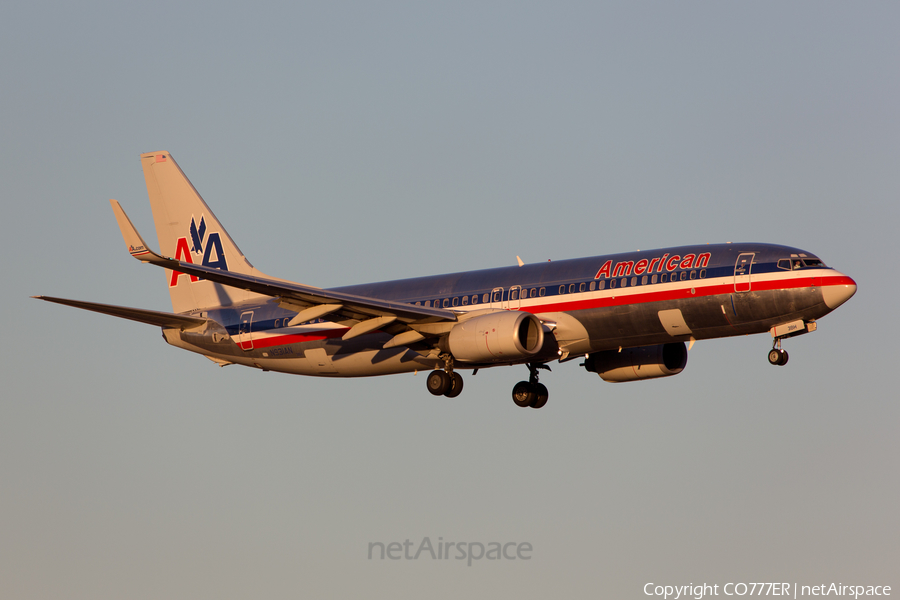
(151, 317)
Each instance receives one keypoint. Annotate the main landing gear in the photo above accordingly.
(531, 393)
(445, 383)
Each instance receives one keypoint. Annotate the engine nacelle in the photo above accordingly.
(501, 336)
(634, 364)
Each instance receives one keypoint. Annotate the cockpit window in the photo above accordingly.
(793, 264)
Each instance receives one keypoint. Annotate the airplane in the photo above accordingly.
(630, 316)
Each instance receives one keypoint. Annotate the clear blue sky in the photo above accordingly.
(355, 142)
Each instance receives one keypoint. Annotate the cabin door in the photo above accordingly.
(246, 336)
(497, 298)
(742, 268)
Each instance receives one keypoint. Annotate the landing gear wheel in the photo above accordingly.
(439, 383)
(778, 357)
(456, 386)
(523, 394)
(531, 393)
(541, 395)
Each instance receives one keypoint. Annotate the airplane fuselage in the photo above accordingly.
(592, 304)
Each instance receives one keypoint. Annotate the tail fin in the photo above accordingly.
(189, 231)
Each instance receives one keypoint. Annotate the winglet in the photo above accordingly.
(137, 247)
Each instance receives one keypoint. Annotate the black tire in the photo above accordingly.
(784, 358)
(456, 386)
(774, 356)
(523, 394)
(541, 395)
(438, 383)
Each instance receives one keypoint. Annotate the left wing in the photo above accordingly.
(361, 313)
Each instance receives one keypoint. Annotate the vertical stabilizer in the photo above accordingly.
(189, 231)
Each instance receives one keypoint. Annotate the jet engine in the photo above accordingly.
(634, 364)
(500, 336)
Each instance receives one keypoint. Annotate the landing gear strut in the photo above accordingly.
(445, 383)
(531, 393)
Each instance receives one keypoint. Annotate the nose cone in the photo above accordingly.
(837, 292)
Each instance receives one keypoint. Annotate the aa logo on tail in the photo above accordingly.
(211, 250)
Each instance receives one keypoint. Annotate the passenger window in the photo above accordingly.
(644, 280)
(581, 287)
(513, 294)
(475, 299)
(427, 303)
(498, 296)
(664, 277)
(533, 292)
(446, 302)
(562, 289)
(593, 285)
(542, 291)
(633, 281)
(465, 300)
(601, 285)
(654, 279)
(484, 298)
(683, 275)
(612, 284)
(456, 302)
(693, 274)
(571, 288)
(703, 274)
(624, 282)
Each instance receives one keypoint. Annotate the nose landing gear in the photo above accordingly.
(531, 393)
(777, 355)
